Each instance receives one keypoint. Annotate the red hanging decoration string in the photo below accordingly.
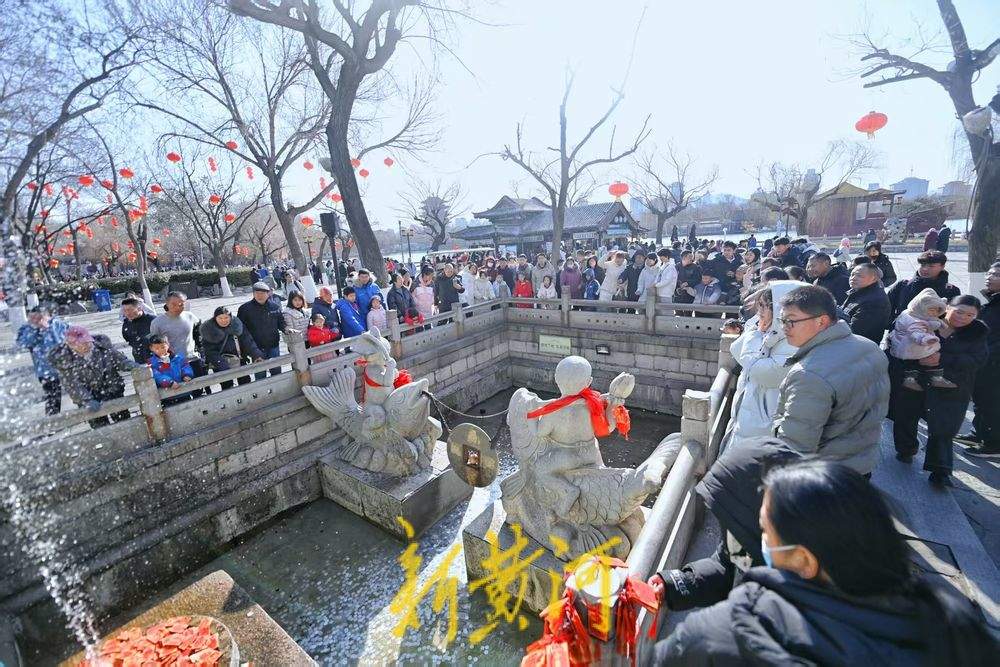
(564, 642)
(634, 594)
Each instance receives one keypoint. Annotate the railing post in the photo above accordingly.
(564, 307)
(149, 403)
(696, 416)
(296, 342)
(725, 356)
(651, 309)
(458, 318)
(395, 334)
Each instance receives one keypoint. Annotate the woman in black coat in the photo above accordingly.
(839, 589)
(227, 344)
(963, 351)
(873, 249)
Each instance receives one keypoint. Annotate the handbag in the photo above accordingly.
(232, 360)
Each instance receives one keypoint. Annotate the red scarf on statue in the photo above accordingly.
(402, 377)
(598, 412)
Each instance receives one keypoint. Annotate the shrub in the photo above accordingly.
(83, 290)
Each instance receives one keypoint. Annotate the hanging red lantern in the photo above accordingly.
(356, 162)
(871, 122)
(132, 257)
(135, 214)
(173, 157)
(90, 234)
(48, 189)
(155, 189)
(212, 165)
(32, 186)
(215, 200)
(308, 165)
(229, 217)
(157, 241)
(114, 222)
(250, 173)
(107, 184)
(53, 263)
(152, 254)
(306, 220)
(388, 162)
(131, 244)
(86, 181)
(110, 199)
(618, 189)
(143, 204)
(232, 145)
(116, 246)
(363, 173)
(126, 173)
(67, 233)
(44, 213)
(322, 183)
(336, 197)
(100, 220)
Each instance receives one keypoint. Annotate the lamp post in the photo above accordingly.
(328, 222)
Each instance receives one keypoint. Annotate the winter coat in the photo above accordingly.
(868, 312)
(400, 300)
(612, 274)
(844, 254)
(500, 289)
(295, 319)
(233, 340)
(447, 291)
(592, 290)
(630, 277)
(547, 293)
(98, 372)
(930, 239)
(647, 279)
(523, 290)
(262, 322)
(136, 334)
(944, 239)
(482, 290)
(914, 334)
(836, 281)
(40, 344)
(364, 296)
(175, 369)
(572, 281)
(538, 274)
(666, 282)
(990, 316)
(832, 402)
(762, 358)
(791, 257)
(902, 293)
(423, 300)
(963, 354)
(329, 313)
(467, 282)
(316, 336)
(690, 274)
(508, 276)
(751, 276)
(774, 617)
(378, 318)
(884, 265)
(708, 294)
(351, 323)
(720, 267)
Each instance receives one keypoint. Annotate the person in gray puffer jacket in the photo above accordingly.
(836, 393)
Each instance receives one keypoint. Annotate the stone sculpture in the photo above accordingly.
(562, 490)
(390, 430)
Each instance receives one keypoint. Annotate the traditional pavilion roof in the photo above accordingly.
(507, 205)
(531, 217)
(850, 191)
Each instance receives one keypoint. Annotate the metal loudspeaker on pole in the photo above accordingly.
(329, 223)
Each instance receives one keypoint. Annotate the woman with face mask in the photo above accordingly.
(838, 588)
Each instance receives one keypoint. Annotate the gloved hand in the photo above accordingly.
(93, 405)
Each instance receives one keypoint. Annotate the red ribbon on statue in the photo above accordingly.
(402, 377)
(564, 641)
(634, 594)
(598, 412)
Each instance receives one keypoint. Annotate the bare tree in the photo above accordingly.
(434, 207)
(891, 67)
(791, 190)
(348, 54)
(216, 208)
(265, 234)
(667, 187)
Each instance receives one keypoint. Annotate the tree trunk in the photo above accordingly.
(140, 266)
(220, 267)
(984, 234)
(661, 221)
(287, 222)
(437, 240)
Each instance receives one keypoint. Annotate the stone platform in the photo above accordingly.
(421, 499)
(261, 641)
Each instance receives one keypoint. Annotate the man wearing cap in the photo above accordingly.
(364, 289)
(261, 317)
(89, 369)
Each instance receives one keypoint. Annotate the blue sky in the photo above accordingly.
(732, 82)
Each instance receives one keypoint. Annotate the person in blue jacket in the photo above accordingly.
(169, 370)
(351, 320)
(364, 289)
(40, 335)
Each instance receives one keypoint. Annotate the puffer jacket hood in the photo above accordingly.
(926, 299)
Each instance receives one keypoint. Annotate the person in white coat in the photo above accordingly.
(647, 279)
(614, 265)
(666, 280)
(468, 277)
(761, 351)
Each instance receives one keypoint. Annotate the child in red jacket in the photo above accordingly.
(523, 290)
(317, 334)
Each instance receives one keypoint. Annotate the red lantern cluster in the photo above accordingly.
(250, 173)
(155, 189)
(871, 123)
(212, 165)
(32, 186)
(107, 184)
(336, 197)
(618, 189)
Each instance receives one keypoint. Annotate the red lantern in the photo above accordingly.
(116, 246)
(322, 183)
(114, 222)
(363, 173)
(336, 197)
(306, 220)
(132, 257)
(67, 233)
(40, 229)
(618, 189)
(100, 220)
(86, 181)
(44, 213)
(135, 214)
(229, 217)
(232, 145)
(152, 255)
(126, 173)
(215, 200)
(212, 165)
(155, 189)
(871, 122)
(107, 184)
(131, 244)
(53, 263)
(48, 189)
(173, 157)
(356, 162)
(157, 241)
(337, 244)
(32, 186)
(388, 161)
(308, 165)
(143, 204)
(350, 243)
(90, 233)
(250, 173)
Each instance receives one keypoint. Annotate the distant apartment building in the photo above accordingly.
(914, 187)
(956, 190)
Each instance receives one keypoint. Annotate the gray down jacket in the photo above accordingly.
(832, 402)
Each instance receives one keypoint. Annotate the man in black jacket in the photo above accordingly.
(135, 329)
(832, 277)
(447, 288)
(985, 437)
(867, 306)
(724, 266)
(323, 304)
(786, 254)
(261, 317)
(930, 274)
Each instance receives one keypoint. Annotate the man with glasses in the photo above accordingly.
(836, 393)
